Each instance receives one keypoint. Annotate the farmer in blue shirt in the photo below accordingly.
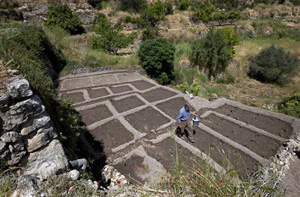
(184, 121)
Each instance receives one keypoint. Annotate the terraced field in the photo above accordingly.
(134, 120)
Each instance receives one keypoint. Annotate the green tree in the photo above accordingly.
(211, 53)
(109, 38)
(273, 65)
(231, 37)
(155, 13)
(62, 16)
(157, 58)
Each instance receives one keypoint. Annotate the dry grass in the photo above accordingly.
(250, 91)
(3, 78)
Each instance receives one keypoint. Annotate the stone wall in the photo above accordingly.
(28, 138)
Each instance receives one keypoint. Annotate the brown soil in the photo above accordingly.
(120, 89)
(127, 103)
(212, 146)
(95, 114)
(136, 162)
(165, 153)
(246, 137)
(146, 120)
(76, 97)
(111, 135)
(172, 106)
(270, 124)
(142, 85)
(157, 94)
(98, 93)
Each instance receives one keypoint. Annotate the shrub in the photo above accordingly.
(149, 33)
(133, 5)
(168, 8)
(36, 59)
(221, 17)
(62, 16)
(184, 4)
(204, 12)
(157, 58)
(291, 105)
(109, 38)
(155, 13)
(273, 65)
(211, 53)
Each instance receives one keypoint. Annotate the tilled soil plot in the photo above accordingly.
(142, 85)
(76, 97)
(92, 115)
(254, 141)
(120, 89)
(147, 119)
(96, 93)
(111, 135)
(267, 123)
(157, 94)
(224, 154)
(126, 104)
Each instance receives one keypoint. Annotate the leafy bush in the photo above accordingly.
(154, 13)
(149, 33)
(157, 58)
(273, 65)
(291, 105)
(184, 4)
(62, 16)
(232, 38)
(133, 5)
(36, 59)
(139, 21)
(211, 53)
(168, 8)
(109, 38)
(204, 12)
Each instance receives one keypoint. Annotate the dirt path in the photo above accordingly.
(134, 118)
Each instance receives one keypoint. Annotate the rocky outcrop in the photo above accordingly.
(27, 134)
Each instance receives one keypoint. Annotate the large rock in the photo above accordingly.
(40, 121)
(16, 158)
(43, 137)
(5, 101)
(10, 137)
(47, 162)
(21, 112)
(2, 146)
(27, 186)
(19, 88)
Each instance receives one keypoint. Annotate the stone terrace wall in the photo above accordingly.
(27, 135)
